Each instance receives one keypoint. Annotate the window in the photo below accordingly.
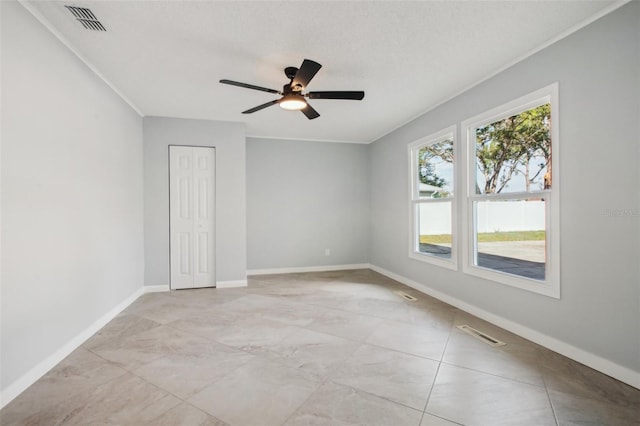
(433, 206)
(508, 199)
(511, 203)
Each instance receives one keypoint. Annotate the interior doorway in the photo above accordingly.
(192, 216)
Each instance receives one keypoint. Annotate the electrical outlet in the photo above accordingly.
(327, 252)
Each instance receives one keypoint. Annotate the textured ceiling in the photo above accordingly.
(166, 57)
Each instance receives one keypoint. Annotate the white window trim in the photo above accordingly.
(414, 199)
(551, 285)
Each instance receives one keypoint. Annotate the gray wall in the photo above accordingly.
(304, 197)
(231, 231)
(72, 247)
(72, 195)
(598, 70)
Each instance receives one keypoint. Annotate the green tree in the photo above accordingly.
(428, 156)
(429, 176)
(506, 147)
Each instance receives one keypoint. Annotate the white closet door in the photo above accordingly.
(204, 195)
(192, 196)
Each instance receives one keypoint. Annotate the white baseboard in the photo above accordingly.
(155, 288)
(231, 284)
(307, 269)
(596, 362)
(29, 378)
(219, 284)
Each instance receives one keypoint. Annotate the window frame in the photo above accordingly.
(415, 200)
(551, 284)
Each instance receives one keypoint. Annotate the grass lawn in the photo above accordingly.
(489, 237)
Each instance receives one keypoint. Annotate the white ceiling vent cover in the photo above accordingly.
(480, 335)
(86, 18)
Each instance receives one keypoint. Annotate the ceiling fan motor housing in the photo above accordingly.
(290, 72)
(288, 88)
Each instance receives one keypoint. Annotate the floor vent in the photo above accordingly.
(86, 18)
(405, 296)
(480, 335)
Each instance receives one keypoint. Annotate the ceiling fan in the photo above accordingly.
(293, 95)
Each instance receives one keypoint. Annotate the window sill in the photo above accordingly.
(549, 287)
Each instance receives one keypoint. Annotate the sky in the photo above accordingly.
(516, 184)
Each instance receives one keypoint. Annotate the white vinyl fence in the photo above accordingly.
(435, 218)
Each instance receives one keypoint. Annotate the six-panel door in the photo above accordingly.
(192, 226)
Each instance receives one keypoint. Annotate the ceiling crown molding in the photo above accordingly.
(36, 14)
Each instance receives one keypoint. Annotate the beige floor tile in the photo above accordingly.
(314, 348)
(273, 309)
(517, 361)
(161, 307)
(392, 375)
(134, 351)
(125, 400)
(576, 410)
(311, 351)
(428, 342)
(473, 398)
(261, 392)
(395, 308)
(562, 374)
(208, 326)
(207, 297)
(78, 374)
(186, 415)
(248, 333)
(123, 325)
(185, 375)
(345, 324)
(323, 298)
(361, 290)
(386, 309)
(335, 404)
(429, 420)
(291, 289)
(426, 314)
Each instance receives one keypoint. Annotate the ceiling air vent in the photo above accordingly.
(86, 18)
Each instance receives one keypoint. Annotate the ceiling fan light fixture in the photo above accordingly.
(293, 98)
(292, 102)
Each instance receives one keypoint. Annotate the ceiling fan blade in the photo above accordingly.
(305, 73)
(310, 112)
(249, 86)
(259, 107)
(348, 95)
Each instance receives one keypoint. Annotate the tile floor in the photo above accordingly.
(329, 348)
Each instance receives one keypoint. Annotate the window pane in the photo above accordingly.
(510, 237)
(434, 229)
(435, 170)
(514, 154)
